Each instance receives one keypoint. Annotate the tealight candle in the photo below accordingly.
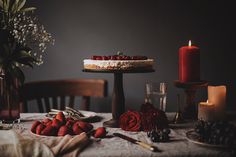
(206, 111)
(217, 96)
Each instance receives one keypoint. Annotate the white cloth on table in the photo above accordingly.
(116, 147)
(14, 145)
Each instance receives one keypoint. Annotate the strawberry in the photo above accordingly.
(134, 57)
(70, 123)
(104, 58)
(56, 123)
(39, 128)
(100, 132)
(127, 58)
(98, 57)
(49, 123)
(85, 126)
(113, 57)
(119, 58)
(46, 120)
(63, 131)
(69, 118)
(108, 57)
(48, 131)
(76, 129)
(34, 126)
(93, 57)
(61, 117)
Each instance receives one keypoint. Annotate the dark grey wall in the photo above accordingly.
(153, 28)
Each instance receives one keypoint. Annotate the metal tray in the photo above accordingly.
(193, 137)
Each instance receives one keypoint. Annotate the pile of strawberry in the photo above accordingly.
(119, 57)
(60, 126)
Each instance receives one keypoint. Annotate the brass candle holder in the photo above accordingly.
(178, 116)
(190, 89)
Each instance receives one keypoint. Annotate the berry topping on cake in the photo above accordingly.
(119, 57)
(104, 58)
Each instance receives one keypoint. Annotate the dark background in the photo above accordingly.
(153, 28)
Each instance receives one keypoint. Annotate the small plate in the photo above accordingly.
(192, 136)
(87, 115)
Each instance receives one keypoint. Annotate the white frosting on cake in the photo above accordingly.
(118, 64)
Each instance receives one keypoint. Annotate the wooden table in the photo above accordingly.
(178, 146)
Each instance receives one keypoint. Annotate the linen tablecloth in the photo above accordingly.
(179, 146)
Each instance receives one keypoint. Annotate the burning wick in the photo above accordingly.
(189, 43)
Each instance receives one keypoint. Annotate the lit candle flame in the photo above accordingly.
(189, 43)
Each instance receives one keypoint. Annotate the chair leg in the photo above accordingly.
(85, 103)
(40, 105)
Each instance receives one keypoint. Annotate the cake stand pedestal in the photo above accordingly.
(118, 98)
(190, 88)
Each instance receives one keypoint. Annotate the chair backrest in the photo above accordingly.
(54, 93)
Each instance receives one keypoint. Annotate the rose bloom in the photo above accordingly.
(130, 121)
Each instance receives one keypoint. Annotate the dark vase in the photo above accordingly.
(4, 35)
(9, 100)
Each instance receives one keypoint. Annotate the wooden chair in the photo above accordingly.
(54, 93)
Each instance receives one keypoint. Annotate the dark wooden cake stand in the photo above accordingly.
(118, 98)
(190, 88)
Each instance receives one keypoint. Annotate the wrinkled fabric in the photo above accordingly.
(14, 145)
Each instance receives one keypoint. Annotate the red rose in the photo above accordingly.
(130, 121)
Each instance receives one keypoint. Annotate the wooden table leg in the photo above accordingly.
(118, 101)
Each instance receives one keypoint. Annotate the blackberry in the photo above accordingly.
(159, 135)
(155, 138)
(166, 130)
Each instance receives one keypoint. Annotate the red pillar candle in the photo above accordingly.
(189, 63)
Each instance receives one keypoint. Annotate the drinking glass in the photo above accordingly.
(156, 93)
